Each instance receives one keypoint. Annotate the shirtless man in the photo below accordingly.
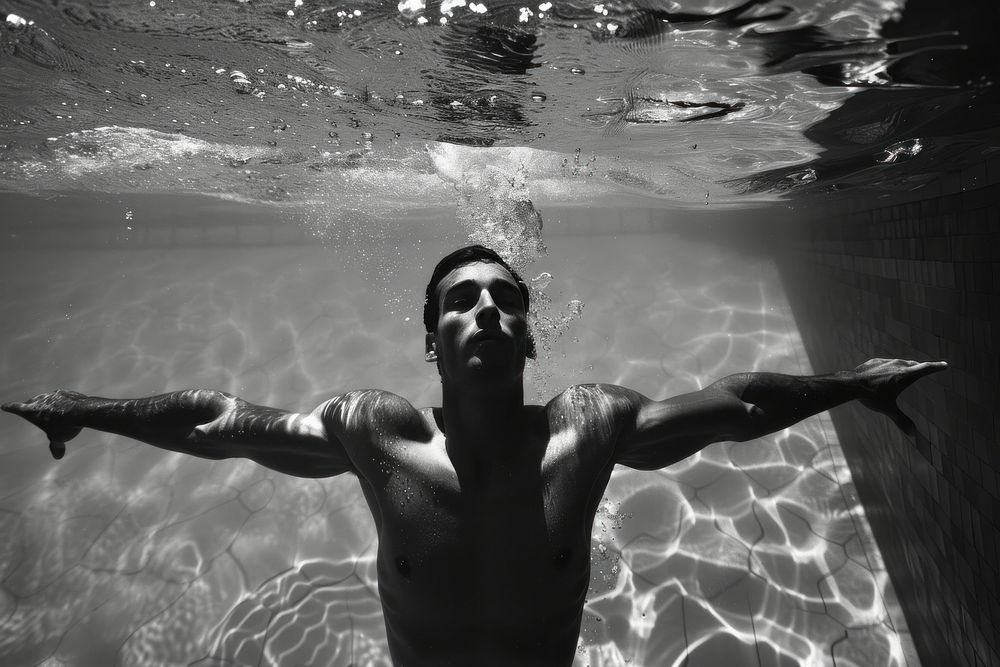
(484, 506)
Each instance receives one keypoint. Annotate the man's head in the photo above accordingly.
(475, 314)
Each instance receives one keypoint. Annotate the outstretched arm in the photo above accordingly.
(205, 423)
(749, 405)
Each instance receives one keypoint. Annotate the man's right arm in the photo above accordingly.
(204, 423)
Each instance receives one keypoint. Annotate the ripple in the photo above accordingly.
(158, 68)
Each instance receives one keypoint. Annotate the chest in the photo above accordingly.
(518, 516)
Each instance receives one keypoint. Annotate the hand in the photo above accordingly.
(884, 380)
(56, 413)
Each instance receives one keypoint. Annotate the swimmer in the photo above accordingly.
(483, 506)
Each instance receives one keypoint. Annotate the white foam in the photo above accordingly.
(410, 8)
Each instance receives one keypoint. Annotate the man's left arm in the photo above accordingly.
(750, 405)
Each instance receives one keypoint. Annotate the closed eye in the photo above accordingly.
(508, 296)
(465, 295)
(509, 302)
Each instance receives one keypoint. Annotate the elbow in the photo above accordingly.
(749, 424)
(201, 406)
(213, 441)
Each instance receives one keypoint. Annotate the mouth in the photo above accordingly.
(483, 335)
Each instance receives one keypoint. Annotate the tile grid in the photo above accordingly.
(918, 276)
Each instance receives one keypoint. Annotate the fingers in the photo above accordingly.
(919, 370)
(928, 367)
(57, 449)
(57, 436)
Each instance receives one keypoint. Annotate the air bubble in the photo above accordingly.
(411, 8)
(542, 280)
(15, 21)
(241, 82)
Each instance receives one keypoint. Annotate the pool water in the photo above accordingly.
(250, 196)
(120, 553)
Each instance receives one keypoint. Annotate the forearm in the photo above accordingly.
(777, 401)
(750, 405)
(205, 423)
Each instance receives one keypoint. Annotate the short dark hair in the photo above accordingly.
(461, 257)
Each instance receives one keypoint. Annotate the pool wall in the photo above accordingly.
(918, 276)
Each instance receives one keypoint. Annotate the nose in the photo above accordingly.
(486, 310)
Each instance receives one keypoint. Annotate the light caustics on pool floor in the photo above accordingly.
(756, 553)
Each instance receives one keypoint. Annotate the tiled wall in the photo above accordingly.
(918, 277)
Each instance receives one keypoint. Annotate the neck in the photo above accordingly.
(481, 414)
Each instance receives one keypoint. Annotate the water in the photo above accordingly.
(348, 105)
(124, 554)
(249, 196)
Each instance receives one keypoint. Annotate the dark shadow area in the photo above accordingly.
(932, 101)
(903, 263)
(917, 281)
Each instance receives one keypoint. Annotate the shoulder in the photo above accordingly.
(602, 397)
(603, 409)
(367, 412)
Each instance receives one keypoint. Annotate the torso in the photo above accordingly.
(485, 566)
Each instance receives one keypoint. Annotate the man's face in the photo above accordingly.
(482, 326)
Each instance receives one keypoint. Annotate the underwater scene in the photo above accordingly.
(250, 196)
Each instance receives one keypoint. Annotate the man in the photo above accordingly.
(484, 506)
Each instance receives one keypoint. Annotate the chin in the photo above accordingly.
(492, 373)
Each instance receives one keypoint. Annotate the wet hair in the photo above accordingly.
(461, 257)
